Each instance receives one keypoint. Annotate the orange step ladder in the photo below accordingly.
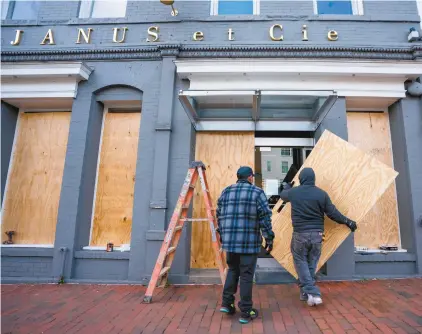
(174, 230)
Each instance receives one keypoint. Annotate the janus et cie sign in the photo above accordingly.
(152, 34)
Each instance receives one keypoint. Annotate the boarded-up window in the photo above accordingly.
(371, 133)
(222, 153)
(35, 178)
(116, 179)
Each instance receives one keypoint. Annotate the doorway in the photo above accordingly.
(277, 163)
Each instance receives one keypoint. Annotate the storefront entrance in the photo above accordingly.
(277, 164)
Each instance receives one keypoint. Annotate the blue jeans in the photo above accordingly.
(306, 250)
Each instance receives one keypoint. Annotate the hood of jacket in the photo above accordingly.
(307, 177)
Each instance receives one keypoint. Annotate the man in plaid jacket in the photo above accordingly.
(243, 214)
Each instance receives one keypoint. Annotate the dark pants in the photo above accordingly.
(306, 250)
(243, 266)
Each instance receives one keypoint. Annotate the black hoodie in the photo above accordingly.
(309, 204)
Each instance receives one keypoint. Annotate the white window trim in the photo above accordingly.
(256, 7)
(357, 7)
(419, 5)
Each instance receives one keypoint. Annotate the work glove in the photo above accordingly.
(268, 246)
(269, 243)
(352, 225)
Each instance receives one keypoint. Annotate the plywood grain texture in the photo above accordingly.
(353, 179)
(222, 153)
(35, 179)
(371, 133)
(116, 179)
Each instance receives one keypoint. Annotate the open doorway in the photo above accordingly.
(278, 162)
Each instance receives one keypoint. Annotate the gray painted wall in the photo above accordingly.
(141, 11)
(342, 264)
(24, 263)
(165, 123)
(406, 136)
(9, 117)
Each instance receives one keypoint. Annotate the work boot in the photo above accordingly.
(314, 300)
(245, 317)
(231, 309)
(303, 296)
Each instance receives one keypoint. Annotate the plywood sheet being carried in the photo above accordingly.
(35, 179)
(116, 179)
(222, 153)
(371, 133)
(354, 180)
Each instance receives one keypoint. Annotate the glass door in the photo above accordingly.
(275, 165)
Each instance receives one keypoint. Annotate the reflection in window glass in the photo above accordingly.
(335, 7)
(102, 8)
(285, 152)
(268, 166)
(4, 8)
(26, 10)
(235, 7)
(284, 167)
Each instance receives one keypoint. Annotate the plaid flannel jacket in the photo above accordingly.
(242, 213)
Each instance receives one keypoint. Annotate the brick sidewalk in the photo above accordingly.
(350, 307)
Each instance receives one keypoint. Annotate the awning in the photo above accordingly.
(250, 110)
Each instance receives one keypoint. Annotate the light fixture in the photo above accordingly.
(174, 11)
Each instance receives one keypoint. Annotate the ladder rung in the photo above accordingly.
(185, 207)
(171, 250)
(178, 228)
(164, 271)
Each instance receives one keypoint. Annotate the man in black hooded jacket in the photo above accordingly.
(309, 205)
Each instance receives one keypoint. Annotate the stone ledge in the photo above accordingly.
(27, 252)
(116, 255)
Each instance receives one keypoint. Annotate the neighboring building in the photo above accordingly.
(105, 103)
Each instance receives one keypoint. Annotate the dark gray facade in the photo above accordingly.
(145, 71)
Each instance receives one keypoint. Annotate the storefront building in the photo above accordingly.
(105, 104)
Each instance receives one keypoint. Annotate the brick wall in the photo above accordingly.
(39, 267)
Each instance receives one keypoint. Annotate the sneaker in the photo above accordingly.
(303, 296)
(228, 309)
(246, 317)
(314, 300)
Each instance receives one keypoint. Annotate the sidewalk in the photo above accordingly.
(349, 307)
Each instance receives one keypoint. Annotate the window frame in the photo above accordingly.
(283, 155)
(11, 10)
(287, 166)
(214, 8)
(91, 10)
(357, 8)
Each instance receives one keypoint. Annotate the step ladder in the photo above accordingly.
(168, 248)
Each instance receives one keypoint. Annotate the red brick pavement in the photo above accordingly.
(349, 307)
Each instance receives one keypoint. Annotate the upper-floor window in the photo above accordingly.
(268, 166)
(20, 10)
(284, 167)
(234, 7)
(102, 8)
(285, 152)
(342, 7)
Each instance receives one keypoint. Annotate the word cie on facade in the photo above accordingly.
(153, 35)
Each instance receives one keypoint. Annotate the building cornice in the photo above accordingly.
(411, 52)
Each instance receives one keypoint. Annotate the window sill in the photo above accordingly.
(98, 255)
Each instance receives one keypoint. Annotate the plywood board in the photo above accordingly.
(371, 133)
(222, 153)
(353, 179)
(35, 179)
(116, 179)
